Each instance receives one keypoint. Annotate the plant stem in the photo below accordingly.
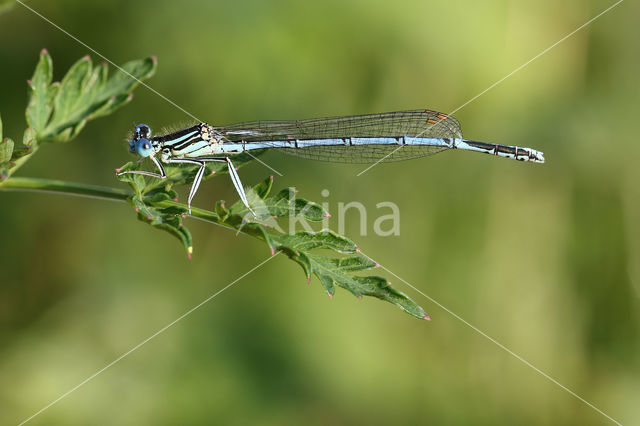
(92, 191)
(51, 185)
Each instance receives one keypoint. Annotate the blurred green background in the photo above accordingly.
(545, 259)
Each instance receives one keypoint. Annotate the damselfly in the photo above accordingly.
(370, 138)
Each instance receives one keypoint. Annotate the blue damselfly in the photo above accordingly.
(370, 138)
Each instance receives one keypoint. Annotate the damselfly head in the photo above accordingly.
(140, 144)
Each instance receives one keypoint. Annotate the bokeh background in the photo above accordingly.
(545, 259)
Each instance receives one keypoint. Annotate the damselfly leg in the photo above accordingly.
(199, 161)
(235, 178)
(158, 164)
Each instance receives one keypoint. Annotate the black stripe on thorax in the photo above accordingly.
(166, 140)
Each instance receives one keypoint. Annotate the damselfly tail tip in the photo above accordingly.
(536, 156)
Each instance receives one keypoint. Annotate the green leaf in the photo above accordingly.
(156, 204)
(6, 149)
(86, 93)
(168, 219)
(72, 89)
(57, 112)
(41, 100)
(332, 270)
(129, 76)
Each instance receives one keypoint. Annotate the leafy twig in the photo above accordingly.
(57, 112)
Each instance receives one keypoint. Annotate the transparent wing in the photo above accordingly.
(363, 154)
(424, 123)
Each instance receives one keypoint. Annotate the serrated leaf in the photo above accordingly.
(167, 219)
(57, 112)
(282, 205)
(324, 239)
(41, 98)
(335, 271)
(86, 93)
(128, 78)
(111, 105)
(332, 271)
(72, 89)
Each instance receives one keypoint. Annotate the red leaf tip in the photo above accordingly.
(330, 295)
(427, 317)
(44, 51)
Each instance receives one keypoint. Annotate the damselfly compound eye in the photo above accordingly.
(143, 147)
(142, 131)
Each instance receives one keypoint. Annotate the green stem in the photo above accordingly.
(59, 186)
(195, 212)
(81, 189)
